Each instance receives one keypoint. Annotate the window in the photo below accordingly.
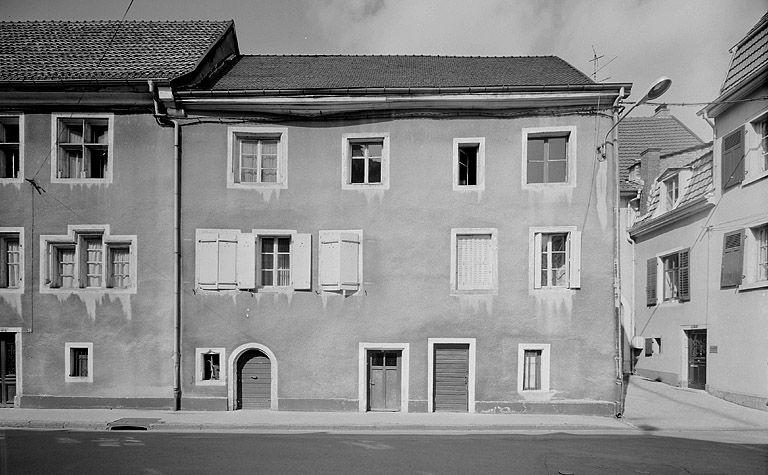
(10, 149)
(257, 157)
(761, 248)
(555, 261)
(78, 362)
(731, 269)
(210, 367)
(732, 158)
(674, 280)
(533, 368)
(83, 148)
(755, 272)
(365, 161)
(89, 258)
(278, 260)
(469, 164)
(549, 155)
(341, 261)
(672, 192)
(11, 268)
(756, 149)
(474, 259)
(761, 127)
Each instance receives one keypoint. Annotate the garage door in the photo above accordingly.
(254, 381)
(451, 373)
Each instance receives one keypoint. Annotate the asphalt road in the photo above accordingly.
(31, 452)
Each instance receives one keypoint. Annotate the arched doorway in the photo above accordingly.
(253, 378)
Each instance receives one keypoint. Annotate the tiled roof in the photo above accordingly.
(267, 72)
(104, 50)
(637, 134)
(750, 54)
(699, 160)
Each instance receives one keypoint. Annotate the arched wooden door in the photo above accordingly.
(254, 380)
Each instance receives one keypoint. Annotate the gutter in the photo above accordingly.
(655, 224)
(164, 121)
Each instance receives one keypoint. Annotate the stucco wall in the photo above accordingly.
(406, 269)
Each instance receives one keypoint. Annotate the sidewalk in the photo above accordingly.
(650, 407)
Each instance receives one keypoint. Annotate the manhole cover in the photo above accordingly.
(132, 423)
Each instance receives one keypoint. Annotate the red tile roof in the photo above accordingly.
(104, 50)
(749, 55)
(637, 134)
(267, 72)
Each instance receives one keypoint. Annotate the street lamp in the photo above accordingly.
(660, 86)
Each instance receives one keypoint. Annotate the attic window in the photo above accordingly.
(672, 192)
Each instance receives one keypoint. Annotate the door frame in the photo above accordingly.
(19, 359)
(682, 378)
(362, 372)
(232, 374)
(431, 342)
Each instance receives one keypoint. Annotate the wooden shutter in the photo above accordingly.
(246, 261)
(227, 260)
(328, 272)
(208, 261)
(537, 261)
(574, 264)
(349, 264)
(339, 260)
(733, 258)
(651, 282)
(301, 262)
(474, 262)
(684, 289)
(732, 162)
(649, 347)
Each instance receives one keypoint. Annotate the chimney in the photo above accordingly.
(649, 170)
(661, 111)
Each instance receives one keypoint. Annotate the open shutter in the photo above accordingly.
(246, 261)
(732, 163)
(329, 261)
(208, 261)
(733, 258)
(685, 286)
(349, 261)
(537, 261)
(228, 260)
(651, 282)
(574, 265)
(649, 347)
(301, 262)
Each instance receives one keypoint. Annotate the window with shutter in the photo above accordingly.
(341, 260)
(651, 283)
(731, 271)
(732, 163)
(684, 293)
(473, 260)
(556, 257)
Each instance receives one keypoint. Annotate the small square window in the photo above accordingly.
(549, 156)
(257, 157)
(210, 367)
(468, 164)
(365, 161)
(78, 362)
(11, 269)
(474, 260)
(83, 149)
(10, 148)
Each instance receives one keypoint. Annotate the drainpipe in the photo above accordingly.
(164, 121)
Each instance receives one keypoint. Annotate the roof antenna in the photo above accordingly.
(596, 68)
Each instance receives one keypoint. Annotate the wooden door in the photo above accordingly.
(384, 380)
(697, 359)
(7, 368)
(451, 373)
(254, 381)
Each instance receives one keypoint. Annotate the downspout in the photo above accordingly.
(164, 121)
(619, 390)
(633, 301)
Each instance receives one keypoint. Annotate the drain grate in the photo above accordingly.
(132, 423)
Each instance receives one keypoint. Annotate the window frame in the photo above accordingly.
(346, 160)
(755, 248)
(545, 349)
(573, 258)
(56, 145)
(274, 233)
(76, 239)
(756, 149)
(656, 282)
(480, 163)
(68, 363)
(569, 131)
(200, 354)
(11, 234)
(494, 260)
(234, 137)
(20, 145)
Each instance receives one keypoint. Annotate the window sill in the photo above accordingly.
(75, 379)
(537, 394)
(460, 293)
(763, 284)
(210, 383)
(85, 291)
(748, 181)
(554, 290)
(11, 180)
(81, 181)
(365, 186)
(474, 188)
(671, 303)
(11, 290)
(257, 186)
(542, 186)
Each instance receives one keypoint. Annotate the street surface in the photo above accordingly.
(32, 452)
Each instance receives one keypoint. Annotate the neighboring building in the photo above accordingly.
(384, 233)
(703, 275)
(86, 183)
(661, 134)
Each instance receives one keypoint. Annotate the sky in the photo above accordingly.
(637, 41)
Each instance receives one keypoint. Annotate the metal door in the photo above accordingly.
(697, 359)
(7, 368)
(384, 380)
(451, 373)
(254, 381)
